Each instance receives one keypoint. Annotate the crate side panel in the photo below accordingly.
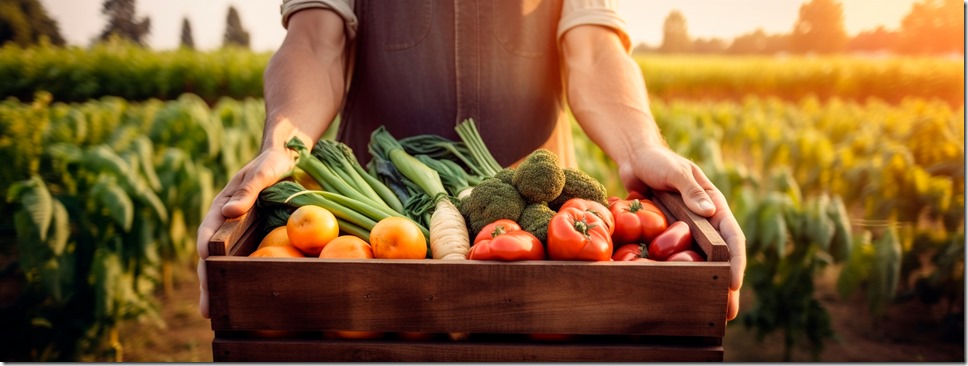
(376, 351)
(647, 298)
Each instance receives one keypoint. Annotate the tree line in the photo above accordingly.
(929, 27)
(26, 22)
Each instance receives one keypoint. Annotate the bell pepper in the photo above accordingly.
(504, 240)
(576, 234)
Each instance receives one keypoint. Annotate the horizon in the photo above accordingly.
(80, 21)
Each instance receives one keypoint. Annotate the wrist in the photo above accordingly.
(279, 132)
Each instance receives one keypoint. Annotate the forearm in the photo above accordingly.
(607, 94)
(305, 79)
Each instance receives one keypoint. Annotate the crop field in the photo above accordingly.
(846, 174)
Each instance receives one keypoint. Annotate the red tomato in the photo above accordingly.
(629, 252)
(687, 255)
(575, 234)
(504, 240)
(636, 221)
(594, 207)
(675, 239)
(633, 195)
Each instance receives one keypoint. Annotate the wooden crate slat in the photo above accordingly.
(649, 298)
(703, 232)
(375, 351)
(235, 237)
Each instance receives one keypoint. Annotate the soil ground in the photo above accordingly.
(908, 332)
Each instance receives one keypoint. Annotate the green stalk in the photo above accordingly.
(381, 189)
(419, 173)
(373, 212)
(321, 172)
(441, 148)
(353, 229)
(330, 153)
(292, 194)
(468, 133)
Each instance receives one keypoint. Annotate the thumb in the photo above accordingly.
(243, 199)
(694, 194)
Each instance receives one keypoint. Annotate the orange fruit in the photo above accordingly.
(305, 180)
(398, 238)
(357, 334)
(276, 237)
(278, 251)
(347, 246)
(310, 228)
(274, 333)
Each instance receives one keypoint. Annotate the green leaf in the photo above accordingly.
(145, 150)
(858, 267)
(41, 322)
(101, 158)
(36, 201)
(107, 195)
(50, 276)
(106, 274)
(60, 228)
(887, 269)
(841, 244)
(820, 229)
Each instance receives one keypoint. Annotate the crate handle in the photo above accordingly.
(708, 239)
(233, 231)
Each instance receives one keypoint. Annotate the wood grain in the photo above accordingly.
(655, 300)
(702, 231)
(645, 298)
(376, 351)
(236, 236)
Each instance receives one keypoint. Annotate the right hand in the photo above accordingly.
(238, 196)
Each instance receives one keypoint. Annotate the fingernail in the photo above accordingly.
(706, 205)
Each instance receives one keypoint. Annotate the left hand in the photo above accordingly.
(662, 169)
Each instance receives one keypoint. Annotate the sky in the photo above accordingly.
(81, 20)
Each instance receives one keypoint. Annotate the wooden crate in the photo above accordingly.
(616, 311)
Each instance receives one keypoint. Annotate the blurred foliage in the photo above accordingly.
(122, 22)
(121, 69)
(891, 80)
(25, 22)
(104, 198)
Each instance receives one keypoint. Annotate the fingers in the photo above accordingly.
(732, 305)
(251, 183)
(732, 233)
(693, 185)
(203, 290)
(213, 219)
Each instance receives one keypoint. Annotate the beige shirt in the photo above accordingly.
(573, 13)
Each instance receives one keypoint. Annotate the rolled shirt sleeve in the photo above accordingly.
(593, 12)
(344, 8)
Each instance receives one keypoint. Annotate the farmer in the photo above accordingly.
(420, 67)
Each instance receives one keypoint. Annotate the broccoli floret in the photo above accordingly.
(539, 177)
(490, 201)
(505, 175)
(534, 219)
(579, 184)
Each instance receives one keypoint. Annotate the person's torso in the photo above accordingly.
(422, 66)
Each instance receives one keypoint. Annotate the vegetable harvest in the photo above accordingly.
(448, 232)
(452, 191)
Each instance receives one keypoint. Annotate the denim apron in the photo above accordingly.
(422, 66)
